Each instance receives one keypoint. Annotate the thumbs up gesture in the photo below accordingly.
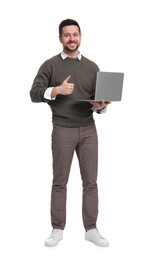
(66, 88)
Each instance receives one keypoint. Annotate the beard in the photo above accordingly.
(70, 49)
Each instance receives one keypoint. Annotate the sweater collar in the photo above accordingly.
(64, 56)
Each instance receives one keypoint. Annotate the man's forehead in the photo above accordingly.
(70, 28)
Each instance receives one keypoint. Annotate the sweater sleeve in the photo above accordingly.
(40, 84)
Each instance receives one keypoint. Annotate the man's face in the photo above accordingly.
(70, 38)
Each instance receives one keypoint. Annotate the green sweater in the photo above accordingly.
(66, 111)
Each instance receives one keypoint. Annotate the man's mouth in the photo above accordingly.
(71, 43)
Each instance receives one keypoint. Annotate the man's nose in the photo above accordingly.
(71, 37)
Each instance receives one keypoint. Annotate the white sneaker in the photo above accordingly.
(94, 236)
(54, 238)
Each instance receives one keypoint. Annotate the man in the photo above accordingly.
(59, 82)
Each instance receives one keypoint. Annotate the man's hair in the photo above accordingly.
(68, 22)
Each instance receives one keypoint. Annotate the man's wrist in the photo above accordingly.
(55, 91)
(98, 110)
(103, 110)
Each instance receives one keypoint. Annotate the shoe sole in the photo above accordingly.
(96, 243)
(53, 244)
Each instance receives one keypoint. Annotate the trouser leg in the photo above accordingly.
(63, 146)
(87, 152)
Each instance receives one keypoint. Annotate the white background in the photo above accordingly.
(117, 36)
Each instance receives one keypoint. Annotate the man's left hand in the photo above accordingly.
(101, 104)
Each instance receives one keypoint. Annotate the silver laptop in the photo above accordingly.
(108, 87)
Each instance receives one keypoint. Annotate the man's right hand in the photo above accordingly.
(66, 88)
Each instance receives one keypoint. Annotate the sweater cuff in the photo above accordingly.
(102, 111)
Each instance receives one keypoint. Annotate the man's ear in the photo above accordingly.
(60, 39)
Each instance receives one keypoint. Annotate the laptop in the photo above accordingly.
(108, 87)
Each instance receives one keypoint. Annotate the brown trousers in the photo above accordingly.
(66, 140)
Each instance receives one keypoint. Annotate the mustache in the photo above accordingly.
(71, 42)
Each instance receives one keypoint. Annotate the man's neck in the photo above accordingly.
(64, 56)
(73, 54)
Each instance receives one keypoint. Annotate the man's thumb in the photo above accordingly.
(67, 79)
